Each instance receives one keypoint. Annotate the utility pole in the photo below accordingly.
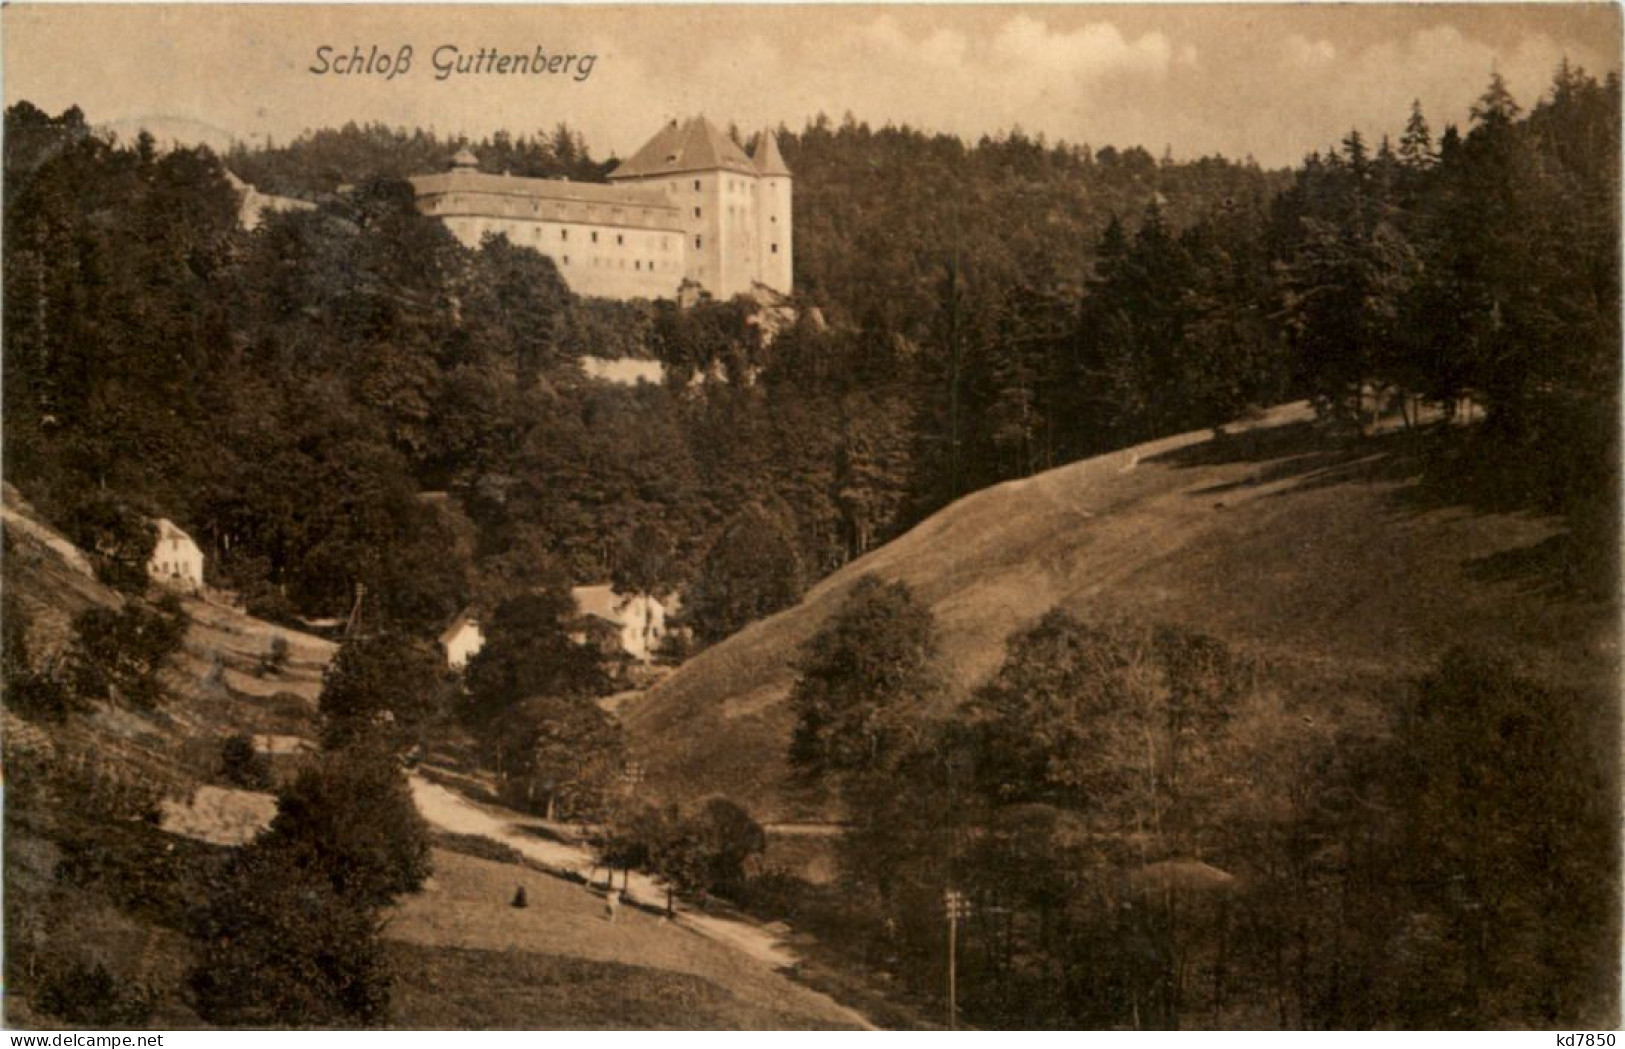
(957, 906)
(353, 626)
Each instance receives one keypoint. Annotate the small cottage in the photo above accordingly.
(462, 640)
(176, 559)
(633, 623)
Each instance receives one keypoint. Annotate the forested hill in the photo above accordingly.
(999, 309)
(879, 213)
(882, 215)
(319, 162)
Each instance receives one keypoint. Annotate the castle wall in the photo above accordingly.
(641, 236)
(594, 255)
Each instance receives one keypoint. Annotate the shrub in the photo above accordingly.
(40, 695)
(119, 539)
(280, 946)
(385, 685)
(276, 656)
(89, 996)
(243, 766)
(35, 694)
(560, 757)
(117, 654)
(729, 838)
(351, 816)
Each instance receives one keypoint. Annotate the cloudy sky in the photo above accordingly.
(1270, 81)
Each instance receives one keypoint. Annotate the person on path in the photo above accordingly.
(612, 905)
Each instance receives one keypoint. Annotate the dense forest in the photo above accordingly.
(995, 309)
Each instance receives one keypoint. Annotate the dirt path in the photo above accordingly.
(450, 811)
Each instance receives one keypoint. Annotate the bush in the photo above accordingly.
(382, 685)
(729, 838)
(351, 816)
(40, 695)
(119, 539)
(702, 852)
(243, 766)
(276, 657)
(560, 757)
(35, 694)
(280, 946)
(89, 996)
(117, 655)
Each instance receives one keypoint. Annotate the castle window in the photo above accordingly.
(696, 243)
(696, 212)
(567, 260)
(619, 239)
(638, 264)
(773, 248)
(696, 185)
(595, 236)
(564, 234)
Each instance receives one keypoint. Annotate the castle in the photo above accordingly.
(690, 205)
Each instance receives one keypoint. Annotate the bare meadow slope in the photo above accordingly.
(1339, 558)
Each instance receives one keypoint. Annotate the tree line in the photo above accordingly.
(996, 309)
(1153, 834)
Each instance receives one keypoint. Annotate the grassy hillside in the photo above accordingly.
(1348, 563)
(469, 959)
(115, 819)
(93, 875)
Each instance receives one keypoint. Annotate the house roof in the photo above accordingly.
(168, 529)
(693, 145)
(768, 159)
(601, 601)
(464, 620)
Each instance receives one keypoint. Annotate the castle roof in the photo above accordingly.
(694, 145)
(465, 180)
(768, 159)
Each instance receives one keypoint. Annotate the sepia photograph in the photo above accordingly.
(819, 517)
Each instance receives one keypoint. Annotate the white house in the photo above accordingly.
(638, 621)
(462, 640)
(176, 559)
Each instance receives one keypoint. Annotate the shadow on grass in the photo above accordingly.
(1431, 468)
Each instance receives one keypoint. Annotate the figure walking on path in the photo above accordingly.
(612, 905)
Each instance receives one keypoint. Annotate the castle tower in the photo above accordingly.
(714, 186)
(775, 263)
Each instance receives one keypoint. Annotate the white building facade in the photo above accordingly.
(176, 559)
(691, 205)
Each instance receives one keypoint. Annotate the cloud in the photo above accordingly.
(1095, 51)
(1304, 53)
